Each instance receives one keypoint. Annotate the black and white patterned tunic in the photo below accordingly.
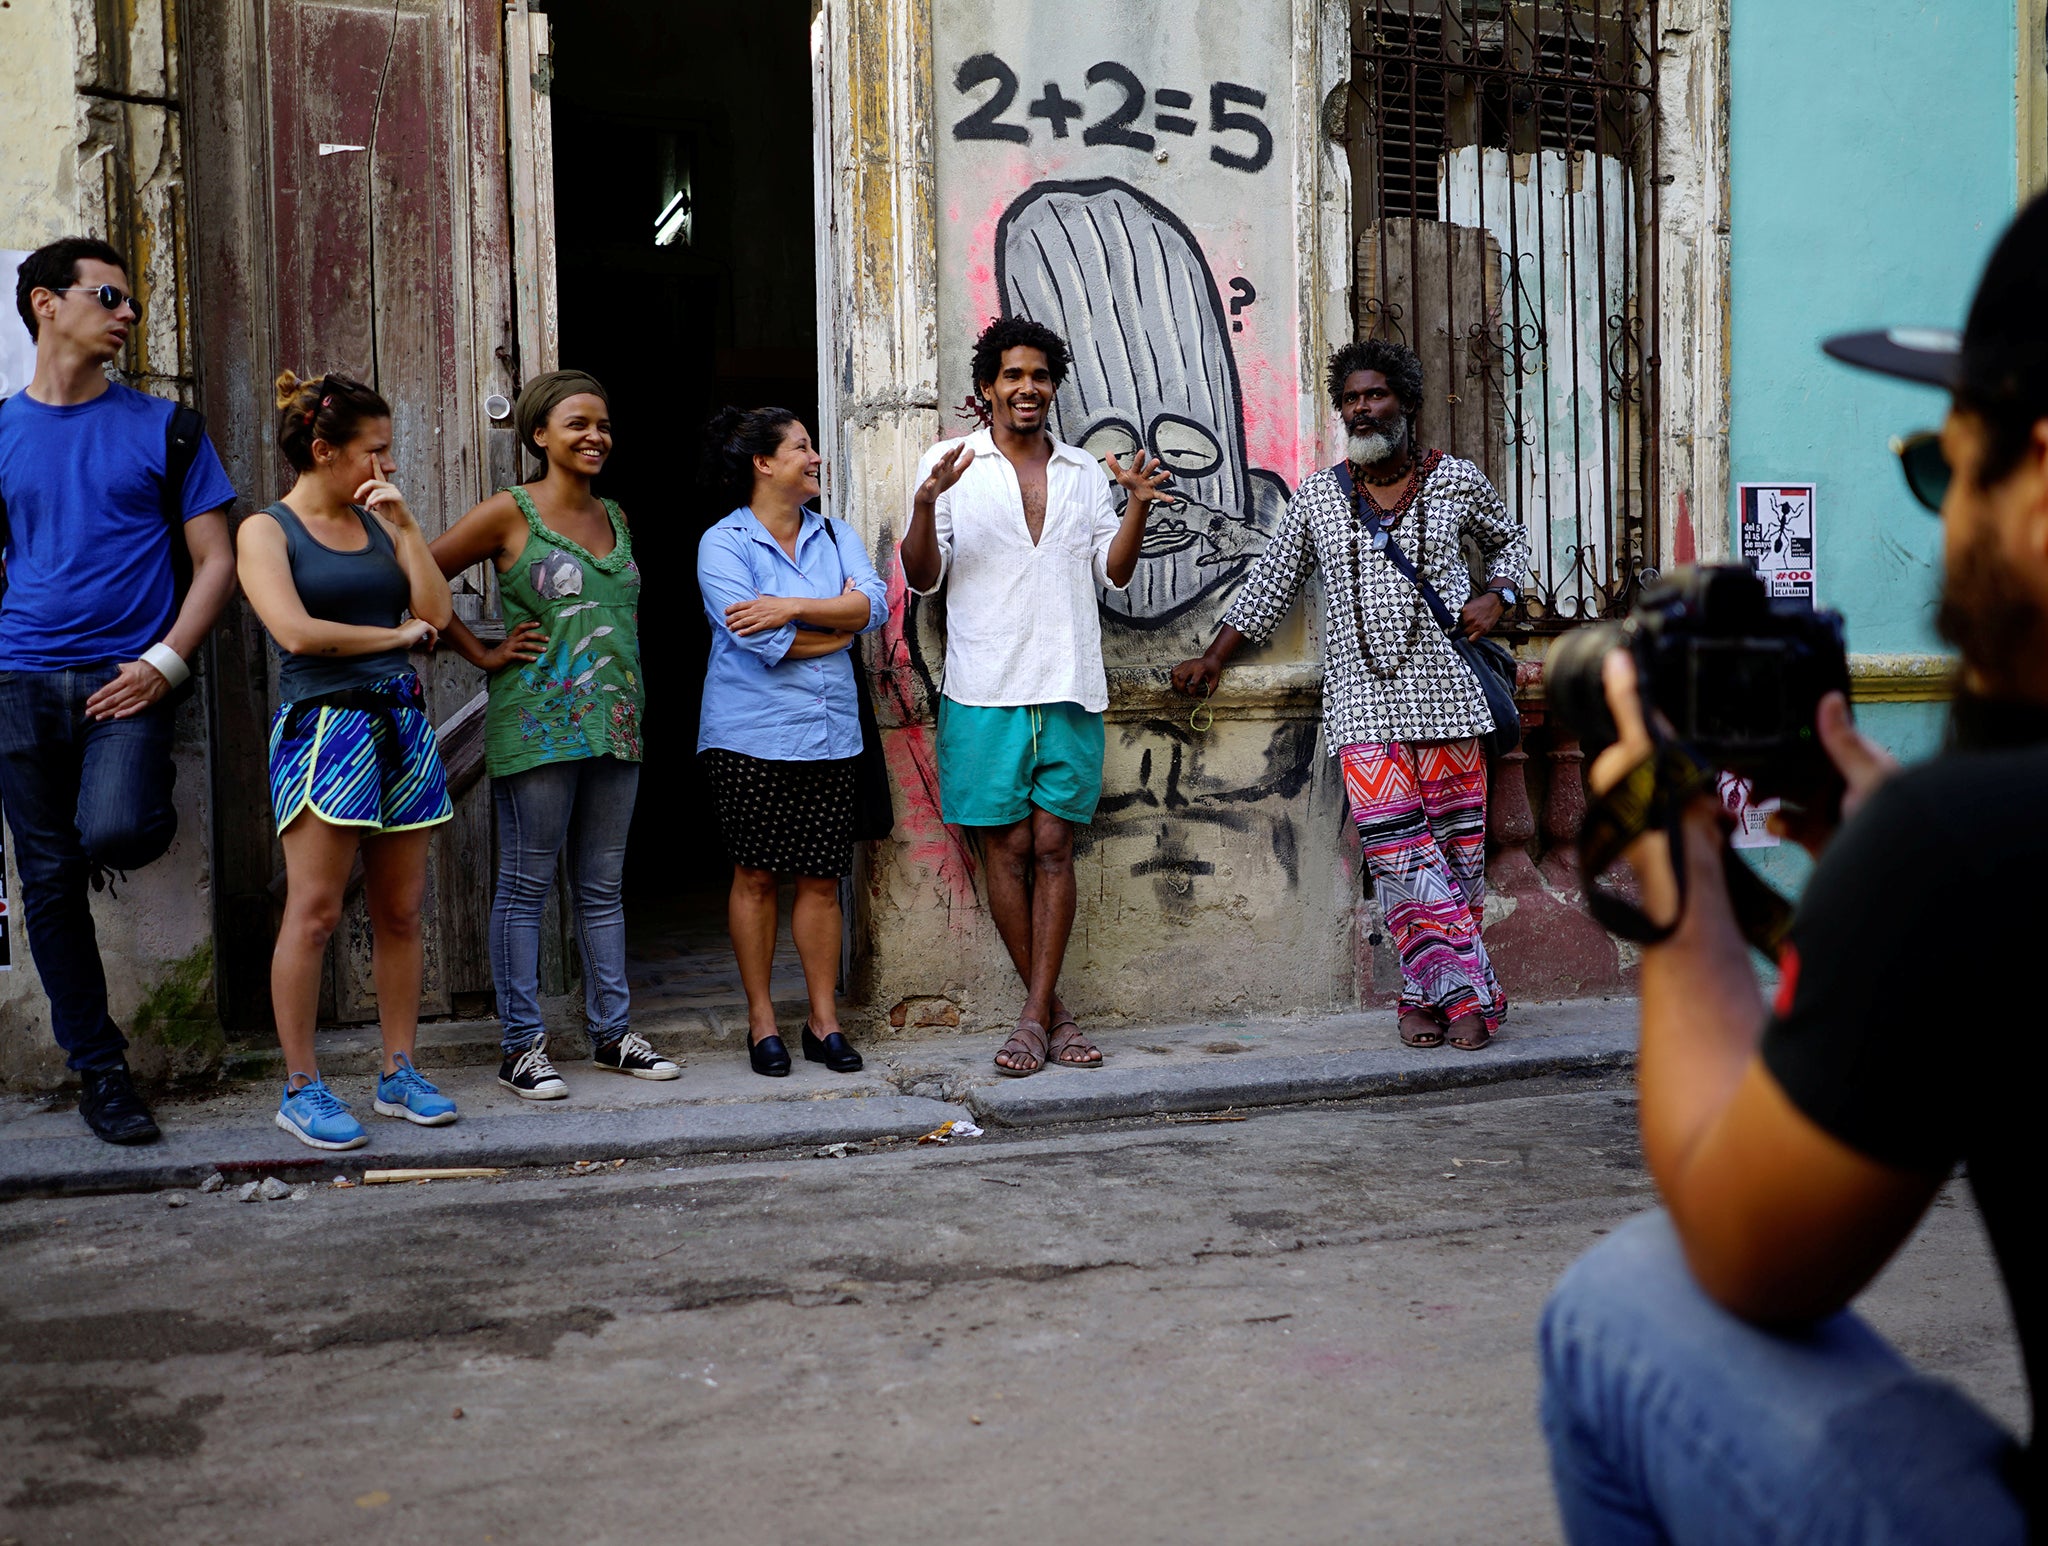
(1431, 694)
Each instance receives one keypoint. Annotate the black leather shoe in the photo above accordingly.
(113, 1110)
(769, 1056)
(835, 1051)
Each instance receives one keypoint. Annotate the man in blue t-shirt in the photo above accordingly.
(93, 639)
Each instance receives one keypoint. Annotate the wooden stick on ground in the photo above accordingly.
(456, 1173)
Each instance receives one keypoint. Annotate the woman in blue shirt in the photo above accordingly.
(786, 591)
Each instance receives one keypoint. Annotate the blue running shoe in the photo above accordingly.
(319, 1118)
(404, 1092)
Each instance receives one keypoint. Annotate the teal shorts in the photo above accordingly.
(995, 764)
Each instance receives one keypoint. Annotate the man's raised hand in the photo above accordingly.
(1144, 480)
(945, 472)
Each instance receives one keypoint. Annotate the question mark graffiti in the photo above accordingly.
(1241, 295)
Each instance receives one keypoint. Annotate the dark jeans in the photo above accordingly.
(1672, 1423)
(79, 794)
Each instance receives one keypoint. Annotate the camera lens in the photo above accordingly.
(1572, 685)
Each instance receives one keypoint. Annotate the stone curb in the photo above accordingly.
(1075, 1095)
(48, 1167)
(537, 1137)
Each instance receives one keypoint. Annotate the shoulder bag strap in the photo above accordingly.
(1385, 545)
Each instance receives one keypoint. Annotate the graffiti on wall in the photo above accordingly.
(1239, 139)
(1124, 281)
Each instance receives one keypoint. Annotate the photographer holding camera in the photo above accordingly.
(1702, 1380)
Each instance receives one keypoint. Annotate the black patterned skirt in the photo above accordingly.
(794, 818)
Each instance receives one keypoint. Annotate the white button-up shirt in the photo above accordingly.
(1021, 620)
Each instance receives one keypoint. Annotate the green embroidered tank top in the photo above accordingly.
(584, 697)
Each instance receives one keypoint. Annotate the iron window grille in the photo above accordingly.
(1507, 186)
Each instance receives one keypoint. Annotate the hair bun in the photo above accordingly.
(288, 387)
(722, 424)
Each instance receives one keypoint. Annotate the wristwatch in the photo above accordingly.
(1509, 596)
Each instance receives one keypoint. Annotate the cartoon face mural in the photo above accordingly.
(1120, 278)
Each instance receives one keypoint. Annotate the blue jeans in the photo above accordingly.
(1670, 1420)
(79, 795)
(587, 805)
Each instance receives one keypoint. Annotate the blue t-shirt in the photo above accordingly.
(88, 553)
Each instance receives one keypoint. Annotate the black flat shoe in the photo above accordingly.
(769, 1056)
(113, 1110)
(835, 1051)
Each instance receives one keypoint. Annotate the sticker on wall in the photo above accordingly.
(1752, 816)
(1777, 537)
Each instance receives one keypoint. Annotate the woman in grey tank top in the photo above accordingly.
(333, 569)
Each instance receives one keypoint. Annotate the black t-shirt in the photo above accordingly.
(1924, 924)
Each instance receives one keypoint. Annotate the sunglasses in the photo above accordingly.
(110, 296)
(1925, 465)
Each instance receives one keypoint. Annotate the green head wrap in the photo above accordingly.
(543, 394)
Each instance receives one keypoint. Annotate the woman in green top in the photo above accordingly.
(562, 729)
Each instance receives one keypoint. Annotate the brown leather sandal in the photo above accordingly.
(1072, 1041)
(1028, 1041)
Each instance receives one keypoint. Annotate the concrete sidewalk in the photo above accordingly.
(909, 1087)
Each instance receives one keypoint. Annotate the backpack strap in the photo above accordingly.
(182, 437)
(3, 503)
(1384, 544)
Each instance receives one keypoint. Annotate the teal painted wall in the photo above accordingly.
(1871, 168)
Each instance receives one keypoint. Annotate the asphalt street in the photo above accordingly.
(1302, 1325)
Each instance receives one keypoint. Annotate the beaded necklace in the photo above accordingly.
(1418, 474)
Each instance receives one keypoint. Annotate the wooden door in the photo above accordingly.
(373, 238)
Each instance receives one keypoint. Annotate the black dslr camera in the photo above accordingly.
(1737, 676)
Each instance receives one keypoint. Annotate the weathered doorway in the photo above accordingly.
(352, 215)
(685, 256)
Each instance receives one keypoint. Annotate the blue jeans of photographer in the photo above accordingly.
(80, 795)
(1672, 1421)
(585, 807)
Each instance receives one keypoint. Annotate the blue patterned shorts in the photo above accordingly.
(366, 758)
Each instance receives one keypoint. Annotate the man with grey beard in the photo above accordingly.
(1402, 712)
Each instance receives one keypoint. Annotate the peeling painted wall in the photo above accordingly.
(91, 143)
(37, 165)
(1151, 192)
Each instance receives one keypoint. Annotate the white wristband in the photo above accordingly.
(170, 665)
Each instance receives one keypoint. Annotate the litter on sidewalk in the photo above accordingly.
(946, 1132)
(449, 1173)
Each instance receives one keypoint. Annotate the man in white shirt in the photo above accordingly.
(1025, 528)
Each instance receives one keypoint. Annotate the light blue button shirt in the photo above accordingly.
(756, 702)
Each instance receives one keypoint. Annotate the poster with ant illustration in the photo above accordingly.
(1777, 537)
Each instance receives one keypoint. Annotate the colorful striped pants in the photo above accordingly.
(1421, 815)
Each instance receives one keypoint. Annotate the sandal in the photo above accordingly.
(1468, 1033)
(1419, 1029)
(1028, 1041)
(1072, 1041)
